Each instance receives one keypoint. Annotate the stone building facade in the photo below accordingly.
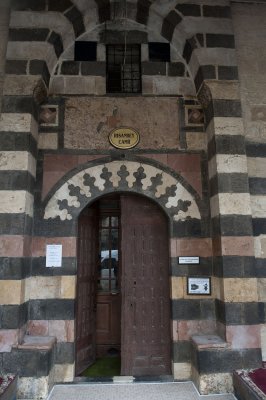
(200, 112)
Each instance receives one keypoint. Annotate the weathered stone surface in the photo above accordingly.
(183, 247)
(196, 141)
(17, 161)
(257, 166)
(215, 383)
(20, 84)
(8, 338)
(230, 203)
(227, 163)
(64, 372)
(40, 287)
(263, 342)
(240, 290)
(177, 287)
(88, 122)
(233, 246)
(188, 328)
(16, 202)
(11, 292)
(243, 336)
(48, 141)
(258, 206)
(33, 388)
(252, 88)
(39, 245)
(262, 289)
(182, 371)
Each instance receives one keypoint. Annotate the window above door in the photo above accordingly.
(123, 68)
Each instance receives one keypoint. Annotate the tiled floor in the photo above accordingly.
(132, 391)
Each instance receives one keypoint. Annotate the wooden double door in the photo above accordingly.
(123, 302)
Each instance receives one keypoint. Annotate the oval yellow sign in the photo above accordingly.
(124, 138)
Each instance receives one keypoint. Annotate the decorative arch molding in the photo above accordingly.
(79, 188)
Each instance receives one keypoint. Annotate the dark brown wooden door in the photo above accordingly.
(145, 347)
(86, 289)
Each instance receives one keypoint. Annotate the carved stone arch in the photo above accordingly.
(82, 186)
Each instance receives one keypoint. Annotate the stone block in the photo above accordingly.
(48, 140)
(11, 292)
(233, 246)
(39, 245)
(17, 202)
(243, 336)
(16, 67)
(57, 85)
(262, 289)
(153, 68)
(226, 126)
(96, 68)
(70, 68)
(23, 85)
(257, 167)
(64, 372)
(182, 351)
(188, 328)
(17, 161)
(182, 371)
(240, 290)
(15, 122)
(51, 309)
(213, 383)
(63, 330)
(227, 73)
(64, 353)
(193, 309)
(220, 40)
(258, 206)
(68, 287)
(183, 247)
(14, 246)
(228, 163)
(191, 10)
(177, 287)
(38, 328)
(224, 90)
(263, 342)
(33, 388)
(8, 339)
(230, 203)
(196, 141)
(216, 11)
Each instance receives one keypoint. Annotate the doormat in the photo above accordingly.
(105, 366)
(250, 385)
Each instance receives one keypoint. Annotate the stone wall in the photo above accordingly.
(251, 56)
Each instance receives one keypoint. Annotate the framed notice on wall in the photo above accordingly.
(200, 286)
(53, 255)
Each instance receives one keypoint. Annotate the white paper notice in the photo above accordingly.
(53, 255)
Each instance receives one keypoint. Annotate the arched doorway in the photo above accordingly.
(123, 298)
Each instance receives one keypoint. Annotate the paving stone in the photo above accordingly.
(133, 391)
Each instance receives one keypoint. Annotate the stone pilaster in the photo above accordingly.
(4, 28)
(234, 268)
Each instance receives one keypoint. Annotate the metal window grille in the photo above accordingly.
(123, 69)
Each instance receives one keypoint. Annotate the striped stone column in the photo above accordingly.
(235, 279)
(18, 143)
(4, 27)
